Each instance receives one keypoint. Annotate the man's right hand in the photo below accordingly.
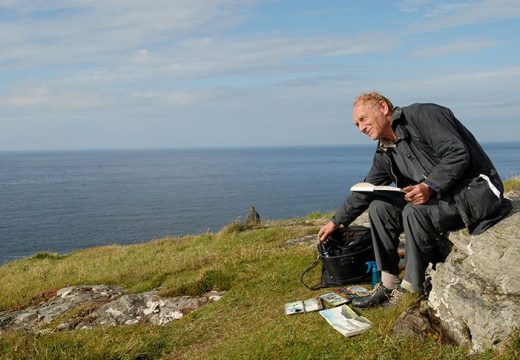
(325, 231)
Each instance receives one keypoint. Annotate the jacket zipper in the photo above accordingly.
(391, 168)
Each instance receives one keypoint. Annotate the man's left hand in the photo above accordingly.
(418, 194)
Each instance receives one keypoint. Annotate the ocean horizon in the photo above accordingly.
(65, 200)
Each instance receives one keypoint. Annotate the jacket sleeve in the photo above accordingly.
(357, 202)
(437, 127)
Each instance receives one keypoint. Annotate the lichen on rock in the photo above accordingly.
(104, 305)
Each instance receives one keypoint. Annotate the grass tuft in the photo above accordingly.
(512, 184)
(233, 228)
(315, 215)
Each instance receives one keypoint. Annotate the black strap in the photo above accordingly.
(315, 287)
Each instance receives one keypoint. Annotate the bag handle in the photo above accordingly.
(315, 287)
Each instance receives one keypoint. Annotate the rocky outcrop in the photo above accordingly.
(475, 296)
(84, 307)
(476, 292)
(64, 300)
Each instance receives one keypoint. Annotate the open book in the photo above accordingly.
(364, 187)
(345, 320)
(299, 307)
(334, 299)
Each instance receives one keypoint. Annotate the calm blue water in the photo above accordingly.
(63, 201)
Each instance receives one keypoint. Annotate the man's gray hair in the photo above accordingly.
(372, 98)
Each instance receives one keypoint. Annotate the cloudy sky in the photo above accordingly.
(79, 74)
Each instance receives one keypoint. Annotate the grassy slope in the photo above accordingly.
(261, 275)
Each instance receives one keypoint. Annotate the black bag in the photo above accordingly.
(344, 257)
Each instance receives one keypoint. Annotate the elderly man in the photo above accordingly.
(449, 183)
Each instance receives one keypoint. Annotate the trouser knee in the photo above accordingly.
(379, 209)
(414, 212)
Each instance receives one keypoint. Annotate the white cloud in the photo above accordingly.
(53, 99)
(117, 41)
(57, 32)
(412, 6)
(28, 97)
(457, 47)
(315, 110)
(493, 93)
(442, 15)
(172, 98)
(130, 83)
(160, 71)
(234, 55)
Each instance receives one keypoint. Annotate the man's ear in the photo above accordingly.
(384, 106)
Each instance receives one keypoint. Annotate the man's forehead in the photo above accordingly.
(359, 110)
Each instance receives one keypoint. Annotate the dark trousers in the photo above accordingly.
(423, 225)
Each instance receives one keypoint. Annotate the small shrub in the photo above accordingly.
(46, 255)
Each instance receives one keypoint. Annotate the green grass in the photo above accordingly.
(258, 271)
(512, 184)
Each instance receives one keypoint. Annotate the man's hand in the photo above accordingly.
(418, 194)
(325, 231)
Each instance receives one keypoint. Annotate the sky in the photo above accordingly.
(77, 74)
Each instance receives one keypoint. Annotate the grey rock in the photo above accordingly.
(145, 307)
(476, 291)
(253, 218)
(309, 240)
(65, 299)
(106, 306)
(30, 316)
(414, 322)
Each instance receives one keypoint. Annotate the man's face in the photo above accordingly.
(372, 120)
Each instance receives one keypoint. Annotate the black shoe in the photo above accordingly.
(427, 286)
(379, 295)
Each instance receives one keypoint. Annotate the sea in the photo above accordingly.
(61, 201)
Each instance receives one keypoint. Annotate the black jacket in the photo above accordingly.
(441, 152)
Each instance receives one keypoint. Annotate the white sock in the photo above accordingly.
(390, 281)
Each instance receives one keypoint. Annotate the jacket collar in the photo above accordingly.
(400, 131)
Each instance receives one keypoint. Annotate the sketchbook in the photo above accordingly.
(346, 321)
(368, 187)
